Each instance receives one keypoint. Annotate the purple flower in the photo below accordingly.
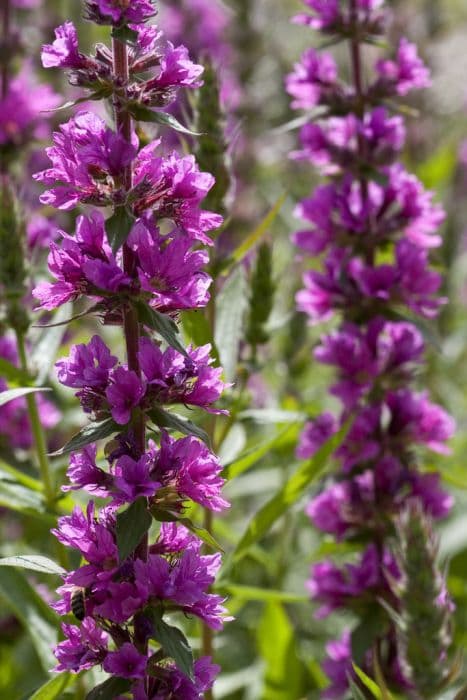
(338, 666)
(120, 11)
(126, 662)
(83, 473)
(23, 109)
(87, 366)
(192, 469)
(175, 685)
(168, 269)
(315, 434)
(83, 647)
(91, 537)
(335, 145)
(174, 378)
(124, 393)
(63, 52)
(335, 587)
(173, 188)
(407, 72)
(326, 14)
(133, 478)
(82, 265)
(176, 70)
(313, 77)
(85, 158)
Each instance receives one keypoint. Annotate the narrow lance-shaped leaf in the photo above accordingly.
(53, 689)
(295, 487)
(132, 525)
(231, 305)
(144, 114)
(118, 227)
(175, 644)
(90, 433)
(164, 419)
(12, 394)
(33, 562)
(110, 689)
(162, 324)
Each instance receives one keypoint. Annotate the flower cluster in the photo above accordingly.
(374, 226)
(140, 278)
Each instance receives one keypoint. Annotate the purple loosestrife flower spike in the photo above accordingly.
(156, 268)
(371, 206)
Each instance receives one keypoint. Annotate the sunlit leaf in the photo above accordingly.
(33, 562)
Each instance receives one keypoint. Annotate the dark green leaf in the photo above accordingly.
(164, 419)
(231, 305)
(125, 33)
(200, 532)
(132, 525)
(144, 114)
(16, 497)
(33, 562)
(175, 645)
(289, 494)
(90, 433)
(12, 394)
(163, 324)
(52, 690)
(118, 227)
(38, 619)
(110, 689)
(366, 632)
(12, 373)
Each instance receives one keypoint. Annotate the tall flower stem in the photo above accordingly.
(131, 326)
(37, 430)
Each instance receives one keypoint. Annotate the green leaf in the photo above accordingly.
(144, 114)
(90, 433)
(200, 532)
(10, 473)
(367, 682)
(367, 631)
(33, 562)
(164, 419)
(175, 645)
(197, 328)
(132, 525)
(284, 673)
(231, 305)
(266, 595)
(37, 618)
(125, 34)
(12, 373)
(110, 689)
(12, 394)
(263, 227)
(163, 324)
(52, 690)
(18, 498)
(46, 347)
(118, 227)
(245, 461)
(295, 487)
